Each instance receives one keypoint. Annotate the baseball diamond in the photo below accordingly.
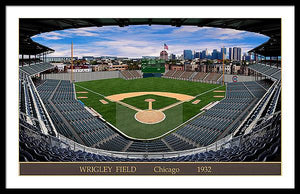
(163, 97)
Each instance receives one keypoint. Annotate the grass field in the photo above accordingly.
(126, 122)
(116, 114)
(160, 101)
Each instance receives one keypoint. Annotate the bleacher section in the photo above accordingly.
(213, 77)
(269, 71)
(135, 74)
(131, 74)
(193, 76)
(36, 68)
(199, 76)
(186, 75)
(169, 73)
(177, 74)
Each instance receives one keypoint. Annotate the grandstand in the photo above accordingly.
(36, 68)
(55, 126)
(273, 73)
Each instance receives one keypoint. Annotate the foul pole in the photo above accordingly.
(72, 62)
(223, 66)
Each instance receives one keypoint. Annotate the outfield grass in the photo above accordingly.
(109, 87)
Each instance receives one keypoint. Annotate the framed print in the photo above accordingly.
(146, 93)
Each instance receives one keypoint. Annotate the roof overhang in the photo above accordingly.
(29, 47)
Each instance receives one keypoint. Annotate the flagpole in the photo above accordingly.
(72, 62)
(223, 66)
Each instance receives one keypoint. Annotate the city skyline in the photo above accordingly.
(143, 40)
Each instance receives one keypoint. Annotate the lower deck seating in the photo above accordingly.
(264, 146)
(66, 111)
(71, 118)
(152, 146)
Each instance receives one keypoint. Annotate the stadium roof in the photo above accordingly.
(29, 47)
(269, 48)
(270, 27)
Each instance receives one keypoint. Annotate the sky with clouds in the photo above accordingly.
(144, 40)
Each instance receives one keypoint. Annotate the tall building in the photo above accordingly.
(163, 55)
(237, 54)
(204, 54)
(187, 54)
(197, 55)
(214, 54)
(230, 54)
(223, 49)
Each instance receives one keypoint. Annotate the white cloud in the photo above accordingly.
(51, 35)
(82, 32)
(211, 33)
(185, 29)
(137, 41)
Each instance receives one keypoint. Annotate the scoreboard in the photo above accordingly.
(153, 65)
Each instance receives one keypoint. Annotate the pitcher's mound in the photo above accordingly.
(150, 100)
(150, 116)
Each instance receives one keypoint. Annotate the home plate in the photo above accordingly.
(103, 101)
(196, 102)
(150, 116)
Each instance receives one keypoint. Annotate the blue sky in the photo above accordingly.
(144, 40)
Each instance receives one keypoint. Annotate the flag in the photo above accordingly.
(165, 46)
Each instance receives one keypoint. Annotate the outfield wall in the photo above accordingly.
(83, 76)
(88, 76)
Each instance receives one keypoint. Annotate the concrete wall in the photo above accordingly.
(240, 78)
(84, 76)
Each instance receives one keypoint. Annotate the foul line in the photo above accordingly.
(129, 106)
(208, 91)
(91, 90)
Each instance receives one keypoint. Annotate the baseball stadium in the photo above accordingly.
(152, 114)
